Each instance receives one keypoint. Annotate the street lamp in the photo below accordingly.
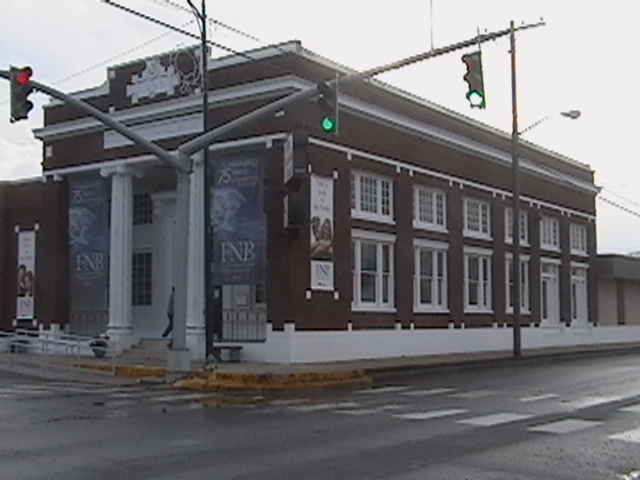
(515, 266)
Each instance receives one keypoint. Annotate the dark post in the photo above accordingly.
(515, 162)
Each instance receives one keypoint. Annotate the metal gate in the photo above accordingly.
(244, 313)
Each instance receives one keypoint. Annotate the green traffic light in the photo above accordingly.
(475, 98)
(328, 124)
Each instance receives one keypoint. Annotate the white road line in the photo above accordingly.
(631, 408)
(585, 402)
(564, 426)
(433, 391)
(495, 419)
(288, 402)
(323, 406)
(358, 412)
(430, 415)
(177, 397)
(538, 398)
(628, 436)
(383, 389)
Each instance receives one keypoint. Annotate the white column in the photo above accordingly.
(120, 327)
(196, 338)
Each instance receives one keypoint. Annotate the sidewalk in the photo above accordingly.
(277, 377)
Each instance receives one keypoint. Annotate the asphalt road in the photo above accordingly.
(561, 419)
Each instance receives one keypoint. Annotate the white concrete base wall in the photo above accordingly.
(291, 346)
(196, 343)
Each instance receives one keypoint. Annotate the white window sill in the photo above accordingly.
(579, 253)
(523, 243)
(550, 248)
(477, 310)
(372, 308)
(372, 217)
(522, 312)
(429, 226)
(478, 235)
(422, 309)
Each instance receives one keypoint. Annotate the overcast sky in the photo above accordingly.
(583, 58)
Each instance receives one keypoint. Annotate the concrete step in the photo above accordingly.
(147, 352)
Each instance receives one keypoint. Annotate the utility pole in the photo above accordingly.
(212, 295)
(515, 165)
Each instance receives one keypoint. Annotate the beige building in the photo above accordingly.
(619, 289)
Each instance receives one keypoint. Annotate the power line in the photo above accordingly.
(621, 207)
(212, 21)
(115, 57)
(617, 195)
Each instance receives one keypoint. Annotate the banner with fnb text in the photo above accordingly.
(321, 234)
(26, 280)
(238, 220)
(88, 233)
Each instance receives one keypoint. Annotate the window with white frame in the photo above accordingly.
(141, 279)
(524, 284)
(477, 273)
(549, 291)
(550, 233)
(508, 226)
(371, 197)
(372, 268)
(578, 239)
(430, 275)
(430, 207)
(142, 209)
(579, 307)
(477, 218)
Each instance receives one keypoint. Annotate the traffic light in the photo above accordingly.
(328, 103)
(474, 79)
(20, 90)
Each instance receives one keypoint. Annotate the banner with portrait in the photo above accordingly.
(26, 279)
(88, 233)
(238, 220)
(321, 225)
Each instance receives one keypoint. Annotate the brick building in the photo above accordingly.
(398, 239)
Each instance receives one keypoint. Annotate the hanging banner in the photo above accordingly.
(321, 233)
(88, 234)
(238, 220)
(26, 275)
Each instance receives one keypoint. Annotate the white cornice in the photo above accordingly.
(262, 89)
(278, 86)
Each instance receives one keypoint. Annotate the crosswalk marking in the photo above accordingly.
(323, 406)
(358, 412)
(628, 436)
(585, 402)
(179, 397)
(538, 398)
(432, 391)
(384, 389)
(288, 402)
(430, 415)
(631, 408)
(565, 426)
(474, 394)
(495, 419)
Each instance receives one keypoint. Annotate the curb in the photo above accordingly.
(213, 381)
(135, 371)
(500, 358)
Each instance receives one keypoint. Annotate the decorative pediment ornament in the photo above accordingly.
(154, 80)
(182, 73)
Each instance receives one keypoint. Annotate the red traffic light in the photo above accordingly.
(23, 77)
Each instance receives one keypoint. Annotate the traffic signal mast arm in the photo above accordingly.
(182, 164)
(107, 120)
